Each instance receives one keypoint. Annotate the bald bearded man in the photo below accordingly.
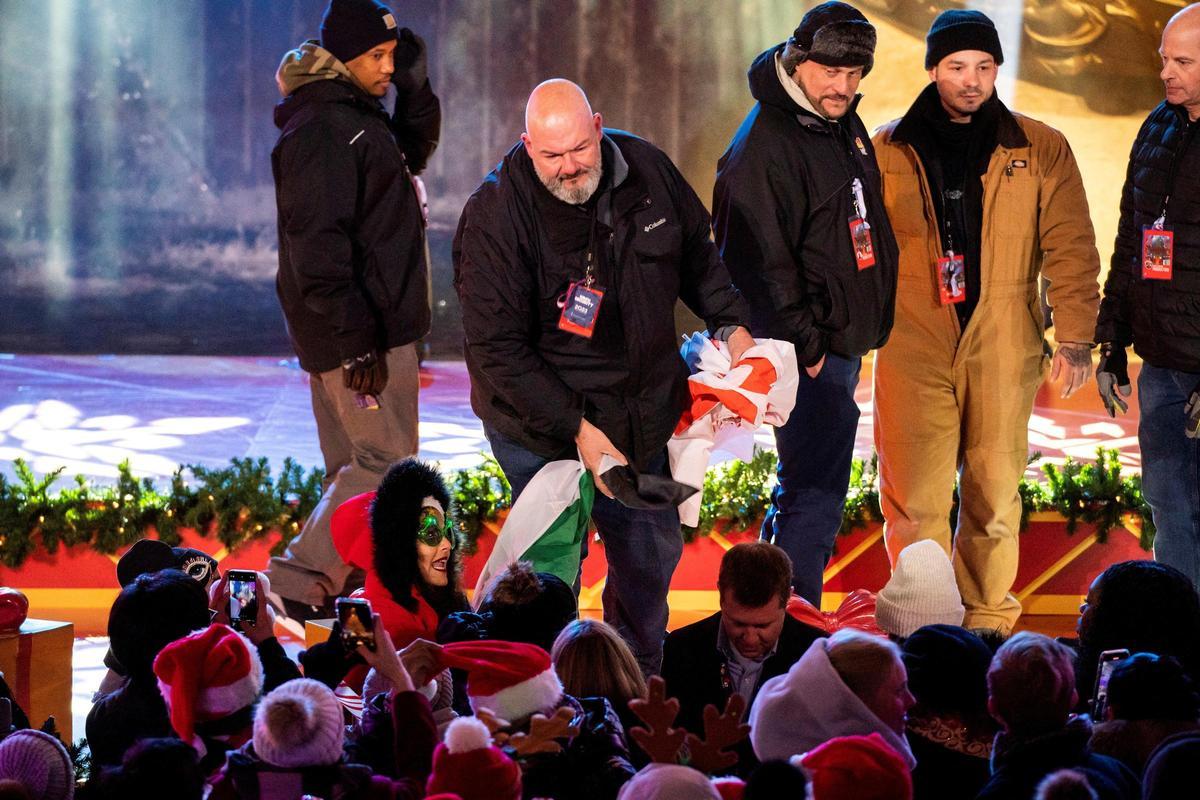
(568, 261)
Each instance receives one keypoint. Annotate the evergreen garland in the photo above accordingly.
(242, 502)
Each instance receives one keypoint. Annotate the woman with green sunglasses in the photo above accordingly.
(402, 536)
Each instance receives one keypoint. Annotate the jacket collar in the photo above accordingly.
(912, 126)
(1060, 746)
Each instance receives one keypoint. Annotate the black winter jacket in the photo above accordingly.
(1019, 765)
(352, 271)
(533, 382)
(781, 209)
(1159, 318)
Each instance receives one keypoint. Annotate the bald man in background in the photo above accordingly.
(568, 261)
(1152, 300)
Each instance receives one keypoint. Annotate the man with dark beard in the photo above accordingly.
(568, 262)
(984, 202)
(799, 218)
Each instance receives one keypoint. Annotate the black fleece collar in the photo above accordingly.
(911, 127)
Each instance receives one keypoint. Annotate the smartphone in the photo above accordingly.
(357, 622)
(243, 597)
(1104, 668)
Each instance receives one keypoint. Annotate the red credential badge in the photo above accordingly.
(580, 309)
(1158, 253)
(860, 237)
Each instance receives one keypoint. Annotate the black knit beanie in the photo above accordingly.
(836, 35)
(957, 30)
(352, 27)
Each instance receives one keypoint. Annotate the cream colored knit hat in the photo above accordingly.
(922, 591)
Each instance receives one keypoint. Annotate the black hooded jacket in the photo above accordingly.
(781, 210)
(518, 249)
(1158, 317)
(352, 271)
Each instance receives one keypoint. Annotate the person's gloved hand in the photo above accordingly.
(1192, 412)
(365, 374)
(329, 661)
(411, 63)
(1112, 378)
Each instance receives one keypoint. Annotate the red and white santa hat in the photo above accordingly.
(470, 767)
(511, 680)
(206, 676)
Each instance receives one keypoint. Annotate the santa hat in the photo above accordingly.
(858, 768)
(207, 676)
(468, 765)
(299, 724)
(511, 680)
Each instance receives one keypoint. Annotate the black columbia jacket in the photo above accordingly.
(781, 210)
(1161, 319)
(514, 258)
(352, 271)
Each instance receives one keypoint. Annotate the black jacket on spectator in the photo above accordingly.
(781, 209)
(136, 710)
(352, 271)
(1171, 770)
(1019, 765)
(1158, 317)
(592, 766)
(516, 251)
(692, 667)
(950, 761)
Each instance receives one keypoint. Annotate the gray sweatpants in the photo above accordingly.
(358, 446)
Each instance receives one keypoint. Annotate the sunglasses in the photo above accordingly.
(434, 526)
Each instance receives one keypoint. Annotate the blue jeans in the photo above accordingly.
(642, 549)
(1170, 467)
(815, 448)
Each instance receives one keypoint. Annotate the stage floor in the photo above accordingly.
(89, 413)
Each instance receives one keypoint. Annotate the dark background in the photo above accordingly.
(136, 207)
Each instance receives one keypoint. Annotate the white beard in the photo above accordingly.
(579, 194)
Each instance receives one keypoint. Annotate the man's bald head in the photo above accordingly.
(562, 137)
(1180, 53)
(557, 101)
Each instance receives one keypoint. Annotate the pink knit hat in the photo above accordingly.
(299, 724)
(38, 762)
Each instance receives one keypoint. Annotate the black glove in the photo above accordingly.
(366, 374)
(411, 63)
(329, 661)
(1112, 378)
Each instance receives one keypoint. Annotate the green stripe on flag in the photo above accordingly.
(557, 550)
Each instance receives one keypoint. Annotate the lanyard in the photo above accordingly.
(1184, 141)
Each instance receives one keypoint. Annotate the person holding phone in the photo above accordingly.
(235, 600)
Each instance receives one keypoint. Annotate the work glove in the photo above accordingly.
(1112, 378)
(1192, 412)
(365, 374)
(411, 62)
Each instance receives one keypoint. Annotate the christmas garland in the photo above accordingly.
(244, 502)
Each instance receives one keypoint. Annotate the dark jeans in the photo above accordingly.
(642, 549)
(815, 448)
(1170, 467)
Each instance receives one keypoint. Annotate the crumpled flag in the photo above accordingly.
(545, 526)
(729, 402)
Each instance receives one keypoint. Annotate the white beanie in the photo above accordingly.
(299, 724)
(922, 591)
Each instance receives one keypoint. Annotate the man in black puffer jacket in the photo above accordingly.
(799, 217)
(1153, 302)
(353, 279)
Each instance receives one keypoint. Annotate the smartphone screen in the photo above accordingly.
(1104, 669)
(243, 597)
(355, 616)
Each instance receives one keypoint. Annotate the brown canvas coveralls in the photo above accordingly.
(949, 400)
